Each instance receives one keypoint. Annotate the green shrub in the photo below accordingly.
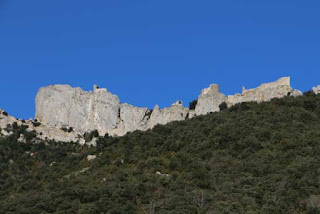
(223, 106)
(36, 123)
(193, 104)
(309, 93)
(88, 136)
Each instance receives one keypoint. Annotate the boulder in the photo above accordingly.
(296, 93)
(91, 157)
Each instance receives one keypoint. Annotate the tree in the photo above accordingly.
(223, 106)
(193, 104)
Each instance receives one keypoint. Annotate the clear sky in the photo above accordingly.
(154, 52)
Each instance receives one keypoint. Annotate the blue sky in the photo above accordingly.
(154, 52)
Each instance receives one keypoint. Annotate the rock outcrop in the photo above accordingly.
(65, 114)
(296, 93)
(263, 93)
(163, 116)
(5, 120)
(130, 118)
(63, 106)
(44, 132)
(316, 89)
(209, 100)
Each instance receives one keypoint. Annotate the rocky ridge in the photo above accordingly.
(66, 114)
(316, 89)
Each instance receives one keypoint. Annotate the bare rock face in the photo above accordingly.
(316, 90)
(263, 93)
(63, 106)
(192, 113)
(163, 116)
(209, 100)
(60, 106)
(131, 118)
(105, 110)
(5, 119)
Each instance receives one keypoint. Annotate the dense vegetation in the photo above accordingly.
(192, 105)
(250, 158)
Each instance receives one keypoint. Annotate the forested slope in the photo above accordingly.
(250, 158)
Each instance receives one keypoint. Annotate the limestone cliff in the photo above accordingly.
(63, 106)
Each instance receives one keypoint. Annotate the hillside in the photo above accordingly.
(250, 158)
